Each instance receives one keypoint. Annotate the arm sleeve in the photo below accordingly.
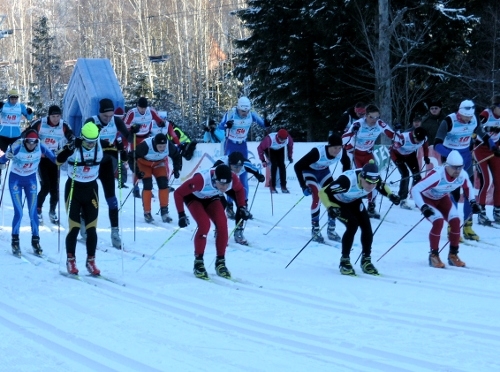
(195, 183)
(263, 146)
(303, 165)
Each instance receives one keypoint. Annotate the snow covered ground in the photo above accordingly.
(307, 317)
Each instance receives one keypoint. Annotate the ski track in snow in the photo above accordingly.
(273, 316)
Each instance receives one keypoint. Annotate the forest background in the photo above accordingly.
(302, 63)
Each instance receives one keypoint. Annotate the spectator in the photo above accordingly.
(349, 117)
(432, 120)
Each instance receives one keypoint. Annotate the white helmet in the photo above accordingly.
(466, 108)
(244, 104)
(454, 158)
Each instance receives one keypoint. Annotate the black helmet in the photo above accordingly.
(223, 174)
(236, 158)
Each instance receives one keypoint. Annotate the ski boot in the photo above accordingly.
(53, 216)
(164, 215)
(137, 192)
(332, 235)
(372, 213)
(404, 204)
(221, 269)
(40, 216)
(367, 266)
(273, 190)
(453, 259)
(496, 214)
(238, 236)
(346, 267)
(16, 248)
(482, 218)
(230, 212)
(123, 186)
(71, 264)
(434, 260)
(35, 243)
(284, 190)
(469, 234)
(115, 238)
(316, 233)
(199, 269)
(148, 218)
(91, 267)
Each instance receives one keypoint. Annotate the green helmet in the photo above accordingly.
(90, 132)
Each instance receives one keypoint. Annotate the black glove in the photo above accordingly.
(260, 177)
(176, 173)
(119, 144)
(135, 128)
(29, 110)
(229, 124)
(334, 212)
(496, 152)
(290, 159)
(78, 143)
(355, 127)
(140, 174)
(70, 146)
(427, 160)
(398, 126)
(206, 129)
(476, 209)
(267, 123)
(244, 213)
(183, 220)
(123, 156)
(394, 199)
(426, 211)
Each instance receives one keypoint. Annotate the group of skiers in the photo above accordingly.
(144, 140)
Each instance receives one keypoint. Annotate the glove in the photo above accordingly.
(307, 191)
(206, 129)
(70, 146)
(426, 211)
(496, 152)
(140, 174)
(176, 173)
(135, 128)
(355, 127)
(261, 178)
(119, 144)
(476, 209)
(183, 220)
(78, 143)
(2, 166)
(290, 160)
(244, 213)
(264, 164)
(427, 160)
(123, 156)
(29, 110)
(9, 155)
(334, 212)
(267, 123)
(229, 124)
(394, 199)
(398, 126)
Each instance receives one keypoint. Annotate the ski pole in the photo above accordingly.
(461, 226)
(253, 199)
(380, 223)
(304, 247)
(4, 181)
(401, 238)
(120, 199)
(58, 209)
(160, 247)
(135, 175)
(130, 192)
(298, 201)
(272, 204)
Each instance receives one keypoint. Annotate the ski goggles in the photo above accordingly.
(89, 143)
(456, 167)
(31, 141)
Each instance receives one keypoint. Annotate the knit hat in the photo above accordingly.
(160, 139)
(13, 92)
(236, 158)
(142, 102)
(244, 104)
(334, 140)
(454, 159)
(282, 134)
(54, 110)
(106, 105)
(31, 134)
(223, 174)
(466, 108)
(119, 112)
(420, 134)
(435, 103)
(370, 172)
(417, 118)
(90, 132)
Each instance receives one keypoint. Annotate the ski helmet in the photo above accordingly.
(370, 172)
(222, 174)
(244, 104)
(90, 132)
(466, 108)
(236, 158)
(419, 134)
(455, 159)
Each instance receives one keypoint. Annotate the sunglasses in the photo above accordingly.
(31, 141)
(371, 180)
(468, 107)
(374, 117)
